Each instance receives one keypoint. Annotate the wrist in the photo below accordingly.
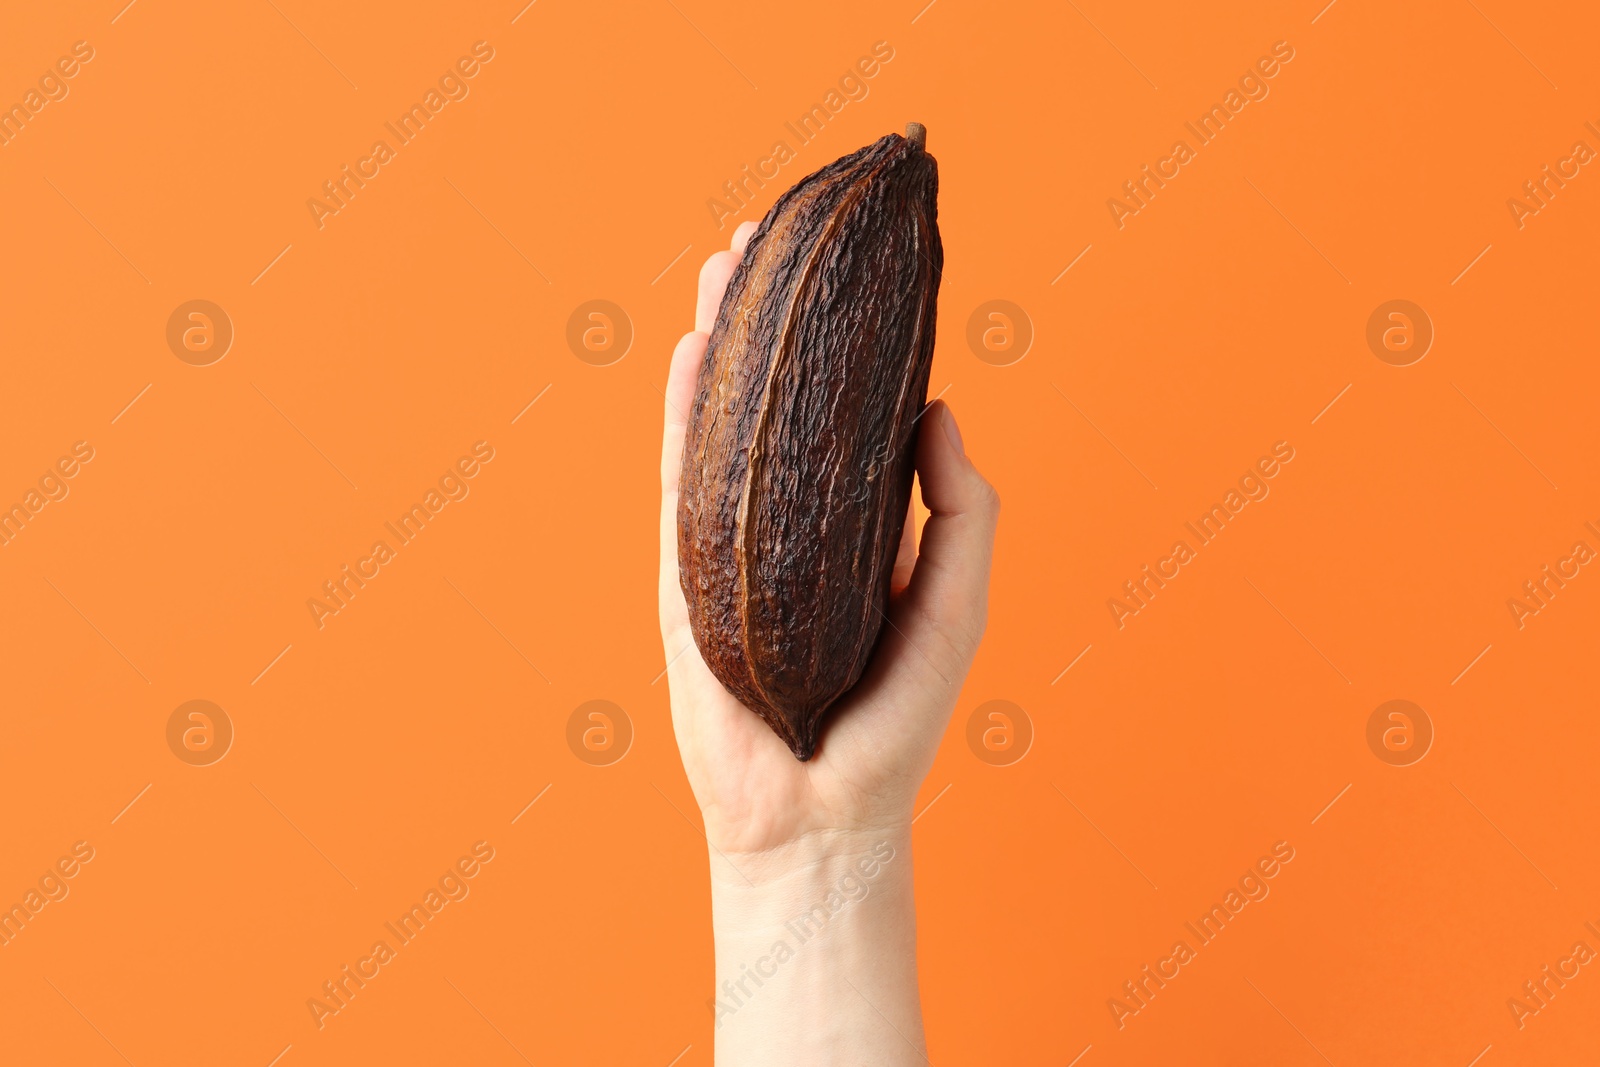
(816, 860)
(816, 950)
(751, 889)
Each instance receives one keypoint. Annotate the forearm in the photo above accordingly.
(816, 954)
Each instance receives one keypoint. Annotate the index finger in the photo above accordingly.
(683, 374)
(682, 377)
(714, 276)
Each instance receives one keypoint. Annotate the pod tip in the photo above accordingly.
(917, 134)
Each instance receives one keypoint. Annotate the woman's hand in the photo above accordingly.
(879, 741)
(811, 862)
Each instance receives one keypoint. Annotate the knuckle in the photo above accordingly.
(991, 501)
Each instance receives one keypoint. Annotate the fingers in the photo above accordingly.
(713, 282)
(691, 350)
(714, 278)
(949, 588)
(681, 379)
(905, 559)
(679, 396)
(741, 236)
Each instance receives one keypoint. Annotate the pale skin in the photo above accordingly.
(784, 835)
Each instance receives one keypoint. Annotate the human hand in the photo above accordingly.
(800, 979)
(758, 801)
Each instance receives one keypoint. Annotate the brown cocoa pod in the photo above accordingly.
(798, 461)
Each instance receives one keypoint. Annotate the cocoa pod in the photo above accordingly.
(798, 461)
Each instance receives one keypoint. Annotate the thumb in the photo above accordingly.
(947, 600)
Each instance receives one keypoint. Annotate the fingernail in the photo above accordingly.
(952, 431)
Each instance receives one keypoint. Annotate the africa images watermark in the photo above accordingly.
(1252, 887)
(452, 86)
(1207, 528)
(852, 87)
(1537, 993)
(408, 527)
(1252, 87)
(338, 992)
(52, 487)
(808, 925)
(1537, 592)
(52, 887)
(1538, 192)
(53, 88)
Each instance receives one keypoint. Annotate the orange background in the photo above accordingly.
(427, 714)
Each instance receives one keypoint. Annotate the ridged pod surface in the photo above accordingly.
(798, 462)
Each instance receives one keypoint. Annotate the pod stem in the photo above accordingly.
(917, 134)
